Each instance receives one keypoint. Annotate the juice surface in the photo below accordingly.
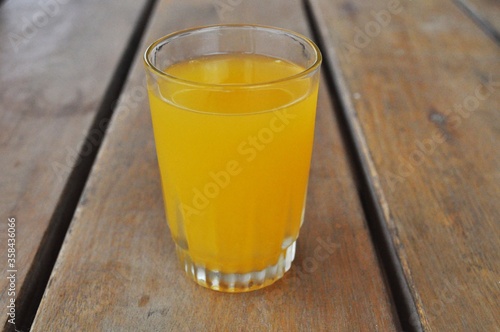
(234, 158)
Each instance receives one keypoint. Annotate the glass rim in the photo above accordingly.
(306, 71)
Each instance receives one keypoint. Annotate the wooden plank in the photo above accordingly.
(486, 13)
(57, 59)
(118, 271)
(420, 88)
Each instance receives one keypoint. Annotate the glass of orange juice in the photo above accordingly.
(233, 110)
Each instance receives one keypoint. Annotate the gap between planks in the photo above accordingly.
(479, 20)
(39, 273)
(404, 303)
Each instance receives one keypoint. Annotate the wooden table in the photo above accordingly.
(404, 185)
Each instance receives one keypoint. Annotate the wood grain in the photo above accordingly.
(118, 270)
(57, 58)
(420, 88)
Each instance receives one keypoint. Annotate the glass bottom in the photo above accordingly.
(237, 282)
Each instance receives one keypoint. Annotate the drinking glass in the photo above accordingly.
(233, 111)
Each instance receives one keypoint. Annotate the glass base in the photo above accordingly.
(237, 282)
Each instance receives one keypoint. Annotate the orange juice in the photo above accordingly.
(234, 150)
